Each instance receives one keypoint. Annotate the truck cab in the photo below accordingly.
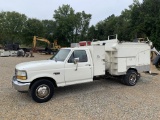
(69, 66)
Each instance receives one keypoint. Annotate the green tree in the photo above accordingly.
(11, 26)
(123, 28)
(92, 33)
(64, 18)
(83, 25)
(106, 27)
(151, 16)
(145, 20)
(49, 29)
(71, 26)
(137, 23)
(33, 27)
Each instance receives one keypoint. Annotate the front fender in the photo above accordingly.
(41, 76)
(59, 79)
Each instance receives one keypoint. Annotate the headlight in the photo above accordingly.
(21, 74)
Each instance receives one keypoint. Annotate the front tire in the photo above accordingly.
(42, 91)
(131, 78)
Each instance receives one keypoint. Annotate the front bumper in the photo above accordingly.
(20, 86)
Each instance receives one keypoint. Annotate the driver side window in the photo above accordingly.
(81, 54)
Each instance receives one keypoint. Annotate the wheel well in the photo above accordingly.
(47, 78)
(132, 69)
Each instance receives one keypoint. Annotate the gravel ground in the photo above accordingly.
(99, 100)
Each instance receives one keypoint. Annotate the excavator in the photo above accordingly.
(35, 38)
(50, 49)
(56, 46)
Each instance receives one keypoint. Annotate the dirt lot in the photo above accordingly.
(99, 100)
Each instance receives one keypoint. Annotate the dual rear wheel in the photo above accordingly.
(130, 78)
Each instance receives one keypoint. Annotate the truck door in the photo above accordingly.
(80, 72)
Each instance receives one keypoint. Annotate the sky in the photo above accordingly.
(44, 9)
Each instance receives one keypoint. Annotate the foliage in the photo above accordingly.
(32, 27)
(11, 26)
(71, 26)
(64, 18)
(49, 28)
(140, 20)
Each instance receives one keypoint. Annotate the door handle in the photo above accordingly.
(56, 73)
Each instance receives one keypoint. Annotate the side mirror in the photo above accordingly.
(76, 60)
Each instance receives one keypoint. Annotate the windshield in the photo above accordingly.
(61, 55)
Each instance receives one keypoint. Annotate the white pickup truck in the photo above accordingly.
(80, 65)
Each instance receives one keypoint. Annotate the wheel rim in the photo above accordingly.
(133, 78)
(42, 91)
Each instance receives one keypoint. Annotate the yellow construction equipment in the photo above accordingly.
(52, 46)
(55, 45)
(35, 38)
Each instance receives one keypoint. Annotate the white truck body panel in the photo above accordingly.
(117, 58)
(98, 57)
(122, 65)
(63, 73)
(43, 68)
(84, 72)
(122, 56)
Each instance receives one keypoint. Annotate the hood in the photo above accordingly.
(40, 65)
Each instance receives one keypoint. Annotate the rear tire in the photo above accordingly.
(131, 78)
(42, 91)
(122, 79)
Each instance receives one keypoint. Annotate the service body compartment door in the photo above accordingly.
(98, 56)
(80, 72)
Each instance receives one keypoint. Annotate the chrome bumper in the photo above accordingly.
(19, 85)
